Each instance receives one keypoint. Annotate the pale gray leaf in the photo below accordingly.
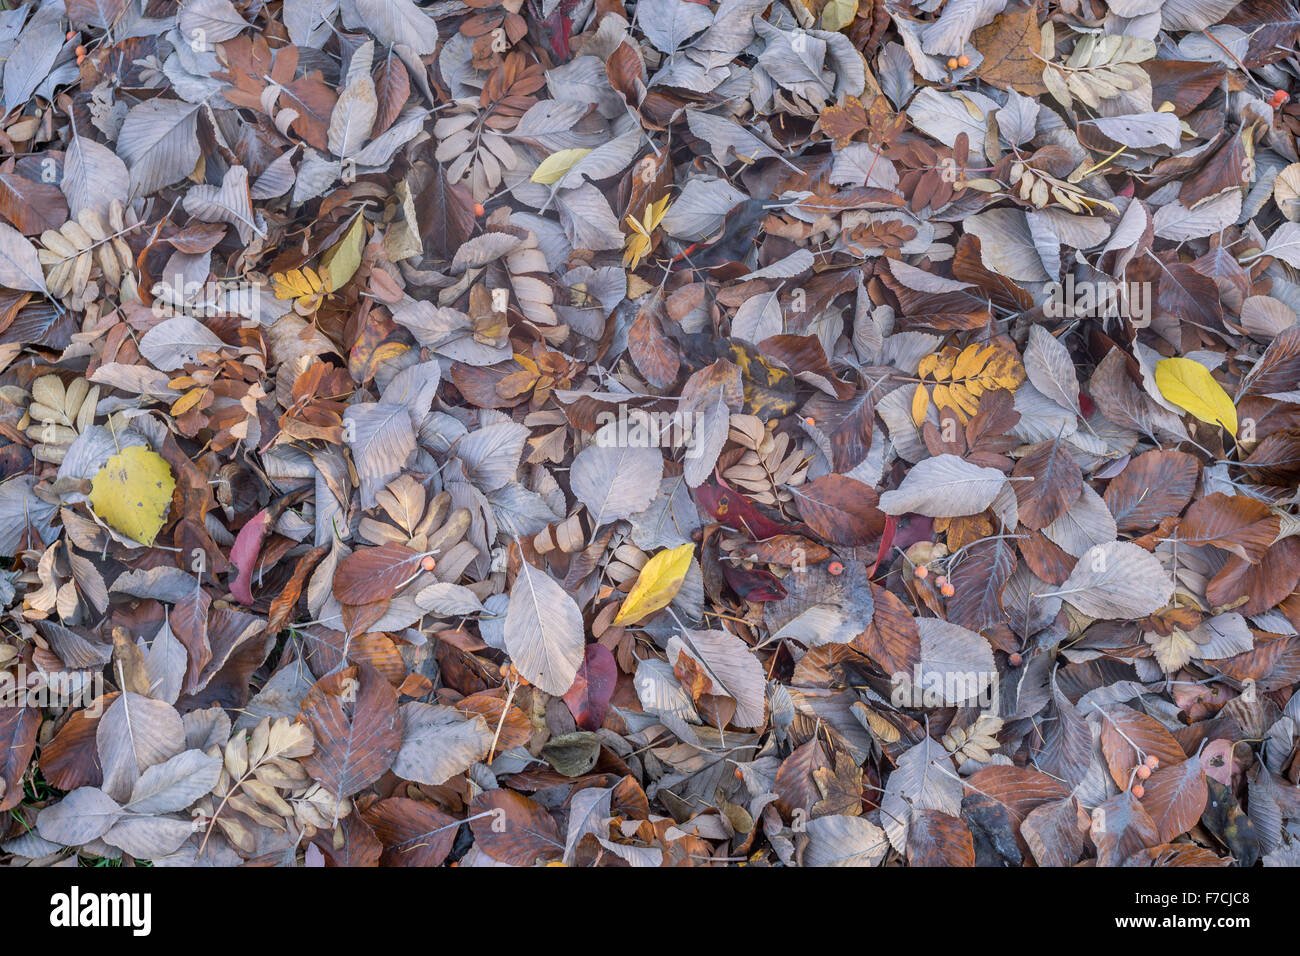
(544, 632)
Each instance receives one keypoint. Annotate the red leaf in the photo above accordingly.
(248, 544)
(588, 698)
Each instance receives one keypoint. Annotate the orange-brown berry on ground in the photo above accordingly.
(479, 210)
(835, 567)
(1139, 791)
(922, 571)
(1143, 772)
(1153, 761)
(963, 60)
(428, 563)
(952, 63)
(1014, 659)
(947, 590)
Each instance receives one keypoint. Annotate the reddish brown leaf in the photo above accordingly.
(1152, 487)
(375, 574)
(353, 715)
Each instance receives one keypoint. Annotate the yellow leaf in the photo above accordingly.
(639, 241)
(289, 285)
(920, 405)
(556, 166)
(341, 261)
(132, 493)
(947, 359)
(838, 14)
(658, 583)
(1191, 387)
(188, 401)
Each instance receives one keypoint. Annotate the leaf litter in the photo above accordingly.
(844, 433)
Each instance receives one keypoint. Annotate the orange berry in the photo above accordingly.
(952, 63)
(80, 50)
(479, 210)
(947, 590)
(1139, 791)
(69, 35)
(1014, 659)
(835, 567)
(1143, 772)
(941, 580)
(810, 420)
(1280, 97)
(963, 60)
(428, 563)
(1153, 761)
(921, 571)
(504, 670)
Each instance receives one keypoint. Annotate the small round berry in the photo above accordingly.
(947, 590)
(479, 210)
(1143, 772)
(941, 580)
(952, 63)
(835, 567)
(1014, 659)
(1153, 761)
(1280, 98)
(810, 421)
(69, 35)
(428, 563)
(963, 60)
(1139, 791)
(921, 571)
(80, 50)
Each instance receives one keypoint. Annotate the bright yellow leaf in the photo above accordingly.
(132, 493)
(341, 261)
(658, 583)
(556, 166)
(1190, 386)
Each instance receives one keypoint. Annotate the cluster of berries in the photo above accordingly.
(945, 586)
(1143, 772)
(956, 61)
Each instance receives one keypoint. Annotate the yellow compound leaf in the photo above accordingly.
(556, 166)
(132, 493)
(1190, 386)
(658, 583)
(639, 240)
